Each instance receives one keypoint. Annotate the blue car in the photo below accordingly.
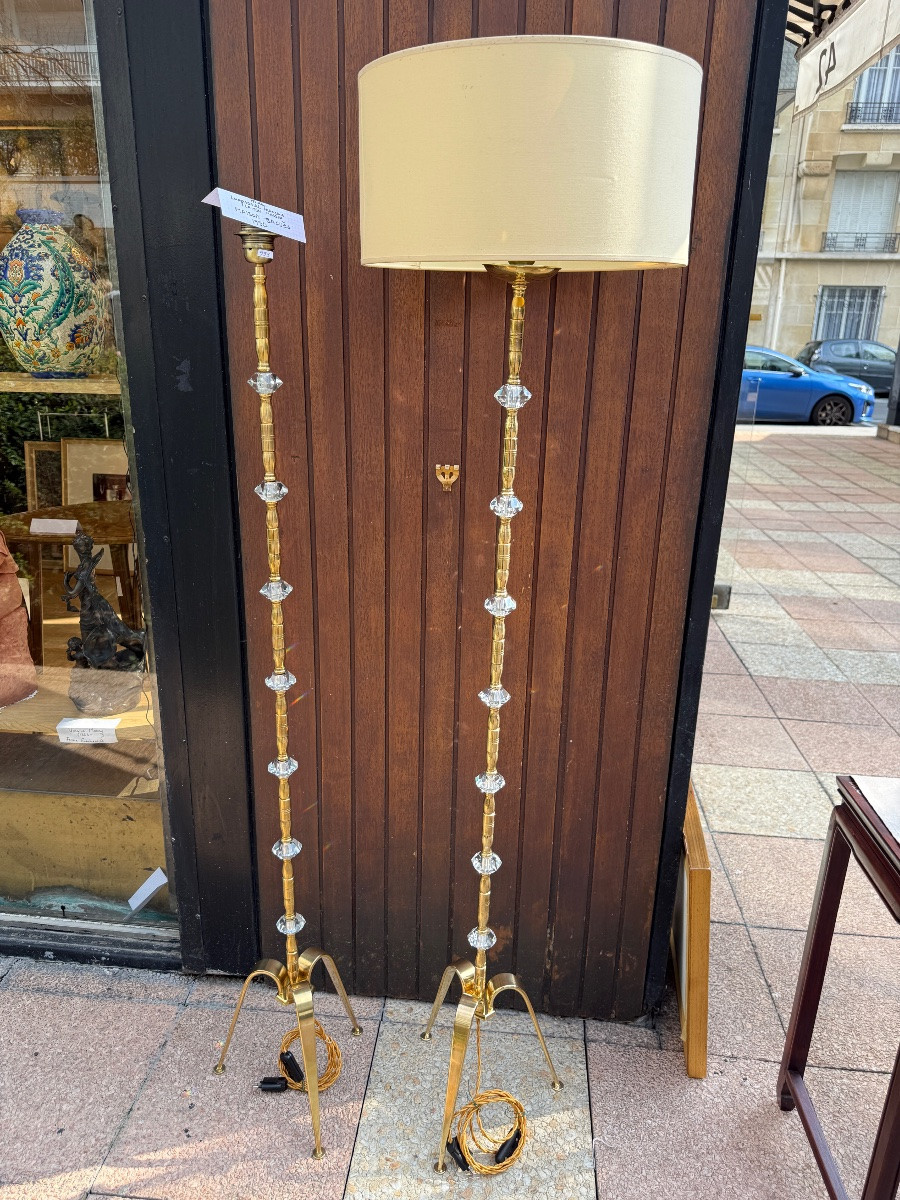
(775, 387)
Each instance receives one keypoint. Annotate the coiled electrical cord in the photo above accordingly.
(471, 1134)
(332, 1065)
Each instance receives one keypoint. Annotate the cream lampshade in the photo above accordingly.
(571, 152)
(524, 156)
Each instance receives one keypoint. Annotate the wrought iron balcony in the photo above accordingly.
(874, 112)
(874, 243)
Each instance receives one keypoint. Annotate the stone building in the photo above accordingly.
(828, 264)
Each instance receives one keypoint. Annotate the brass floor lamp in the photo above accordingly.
(291, 978)
(523, 156)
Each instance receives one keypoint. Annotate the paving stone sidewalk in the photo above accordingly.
(106, 1087)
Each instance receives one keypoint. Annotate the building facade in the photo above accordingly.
(828, 264)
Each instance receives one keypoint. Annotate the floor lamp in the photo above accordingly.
(292, 977)
(522, 156)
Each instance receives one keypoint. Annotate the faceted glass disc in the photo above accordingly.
(489, 782)
(275, 589)
(264, 383)
(271, 491)
(500, 606)
(512, 395)
(289, 849)
(486, 866)
(283, 768)
(482, 939)
(494, 697)
(280, 683)
(503, 506)
(290, 925)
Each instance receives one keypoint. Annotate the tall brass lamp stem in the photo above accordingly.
(479, 993)
(292, 979)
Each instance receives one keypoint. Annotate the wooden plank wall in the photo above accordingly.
(388, 373)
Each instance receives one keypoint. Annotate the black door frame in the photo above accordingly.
(160, 149)
(756, 141)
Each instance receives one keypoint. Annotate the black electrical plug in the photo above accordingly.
(273, 1083)
(292, 1067)
(507, 1148)
(457, 1155)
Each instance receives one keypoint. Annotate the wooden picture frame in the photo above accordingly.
(43, 474)
(83, 461)
(690, 941)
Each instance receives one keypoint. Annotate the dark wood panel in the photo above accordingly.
(365, 362)
(393, 372)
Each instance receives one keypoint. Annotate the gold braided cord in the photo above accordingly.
(471, 1133)
(333, 1059)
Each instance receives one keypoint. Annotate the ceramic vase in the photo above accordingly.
(52, 302)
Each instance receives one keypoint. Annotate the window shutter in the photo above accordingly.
(863, 202)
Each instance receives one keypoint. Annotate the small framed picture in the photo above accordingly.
(43, 474)
(94, 471)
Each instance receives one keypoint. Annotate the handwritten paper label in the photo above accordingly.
(46, 525)
(147, 890)
(90, 730)
(261, 216)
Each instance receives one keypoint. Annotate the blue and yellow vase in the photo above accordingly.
(52, 302)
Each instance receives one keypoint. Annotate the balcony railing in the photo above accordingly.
(874, 112)
(874, 243)
(62, 67)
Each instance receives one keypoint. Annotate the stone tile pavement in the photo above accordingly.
(106, 1087)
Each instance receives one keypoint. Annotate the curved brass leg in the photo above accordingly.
(308, 960)
(306, 1023)
(506, 982)
(462, 1029)
(270, 967)
(466, 972)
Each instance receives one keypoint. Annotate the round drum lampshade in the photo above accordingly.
(570, 152)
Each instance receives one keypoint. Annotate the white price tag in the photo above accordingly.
(89, 730)
(48, 525)
(262, 216)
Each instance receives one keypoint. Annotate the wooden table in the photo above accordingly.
(50, 704)
(108, 522)
(865, 824)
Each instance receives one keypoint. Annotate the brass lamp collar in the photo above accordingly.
(511, 271)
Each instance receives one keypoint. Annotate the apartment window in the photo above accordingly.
(876, 98)
(847, 312)
(863, 212)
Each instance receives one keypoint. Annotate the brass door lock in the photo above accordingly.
(447, 474)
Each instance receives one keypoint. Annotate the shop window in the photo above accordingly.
(81, 779)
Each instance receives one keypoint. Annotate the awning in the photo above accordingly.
(837, 42)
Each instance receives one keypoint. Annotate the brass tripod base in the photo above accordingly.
(298, 992)
(474, 1007)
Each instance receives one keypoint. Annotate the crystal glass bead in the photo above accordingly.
(271, 491)
(500, 606)
(503, 506)
(482, 939)
(512, 395)
(486, 866)
(276, 589)
(264, 383)
(494, 697)
(489, 781)
(280, 683)
(290, 925)
(289, 849)
(283, 767)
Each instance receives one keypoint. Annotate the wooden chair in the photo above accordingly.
(865, 824)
